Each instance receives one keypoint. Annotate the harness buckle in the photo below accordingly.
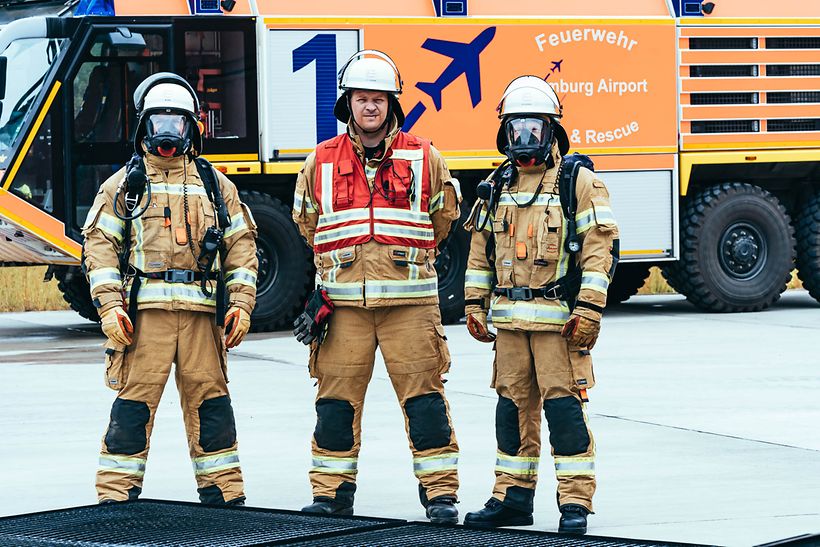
(553, 293)
(519, 293)
(179, 276)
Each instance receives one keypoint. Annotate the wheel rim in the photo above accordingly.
(742, 250)
(444, 268)
(268, 266)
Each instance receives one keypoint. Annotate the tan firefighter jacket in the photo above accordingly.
(410, 270)
(159, 243)
(529, 249)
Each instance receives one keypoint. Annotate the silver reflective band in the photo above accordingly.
(335, 465)
(237, 225)
(595, 281)
(242, 276)
(111, 225)
(570, 466)
(525, 197)
(344, 291)
(176, 189)
(383, 213)
(345, 216)
(405, 287)
(329, 235)
(156, 290)
(406, 231)
(517, 465)
(530, 312)
(102, 276)
(119, 464)
(211, 464)
(435, 464)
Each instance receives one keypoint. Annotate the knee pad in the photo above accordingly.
(507, 432)
(334, 425)
(429, 426)
(217, 429)
(568, 431)
(126, 429)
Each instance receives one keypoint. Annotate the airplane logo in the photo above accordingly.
(465, 60)
(556, 67)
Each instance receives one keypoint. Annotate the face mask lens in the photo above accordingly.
(526, 132)
(172, 125)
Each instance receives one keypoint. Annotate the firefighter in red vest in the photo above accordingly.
(374, 203)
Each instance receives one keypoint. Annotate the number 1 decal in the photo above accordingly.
(321, 49)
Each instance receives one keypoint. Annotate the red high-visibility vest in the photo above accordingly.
(397, 212)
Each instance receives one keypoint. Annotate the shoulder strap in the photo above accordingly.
(209, 180)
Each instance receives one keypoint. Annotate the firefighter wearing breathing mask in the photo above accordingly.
(374, 203)
(170, 256)
(522, 259)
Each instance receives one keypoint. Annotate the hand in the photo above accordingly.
(237, 325)
(303, 329)
(310, 325)
(117, 326)
(477, 325)
(581, 331)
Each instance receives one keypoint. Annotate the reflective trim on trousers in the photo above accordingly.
(127, 465)
(599, 215)
(478, 279)
(405, 288)
(103, 276)
(237, 225)
(435, 464)
(111, 225)
(241, 276)
(344, 291)
(595, 281)
(566, 466)
(205, 465)
(328, 464)
(534, 313)
(526, 466)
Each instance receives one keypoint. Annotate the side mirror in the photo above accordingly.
(3, 65)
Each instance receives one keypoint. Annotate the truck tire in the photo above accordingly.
(451, 264)
(76, 291)
(629, 278)
(285, 267)
(737, 249)
(808, 245)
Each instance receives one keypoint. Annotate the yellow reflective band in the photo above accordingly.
(240, 276)
(520, 198)
(307, 202)
(335, 234)
(327, 187)
(111, 225)
(569, 466)
(599, 215)
(405, 288)
(237, 225)
(334, 466)
(157, 290)
(436, 202)
(104, 276)
(402, 215)
(409, 154)
(478, 279)
(122, 464)
(344, 291)
(177, 189)
(531, 312)
(595, 281)
(411, 232)
(327, 220)
(435, 464)
(517, 465)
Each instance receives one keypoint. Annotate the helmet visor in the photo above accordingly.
(171, 125)
(527, 132)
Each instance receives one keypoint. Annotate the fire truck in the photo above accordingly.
(703, 118)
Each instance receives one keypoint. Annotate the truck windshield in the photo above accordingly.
(28, 64)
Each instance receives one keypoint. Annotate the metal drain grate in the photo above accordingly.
(172, 524)
(429, 535)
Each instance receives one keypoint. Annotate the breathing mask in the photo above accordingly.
(529, 140)
(167, 134)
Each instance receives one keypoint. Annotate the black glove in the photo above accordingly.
(311, 324)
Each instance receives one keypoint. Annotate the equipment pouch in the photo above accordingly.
(116, 372)
(549, 237)
(443, 350)
(313, 359)
(403, 256)
(581, 362)
(343, 185)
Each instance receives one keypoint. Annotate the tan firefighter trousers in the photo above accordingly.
(192, 341)
(535, 370)
(414, 348)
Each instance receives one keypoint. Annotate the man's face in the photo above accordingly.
(369, 108)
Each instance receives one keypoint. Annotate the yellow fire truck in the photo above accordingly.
(703, 119)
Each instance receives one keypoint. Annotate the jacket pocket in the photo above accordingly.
(313, 359)
(116, 371)
(443, 350)
(340, 258)
(549, 238)
(404, 256)
(581, 363)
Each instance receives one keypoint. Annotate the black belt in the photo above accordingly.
(173, 276)
(553, 291)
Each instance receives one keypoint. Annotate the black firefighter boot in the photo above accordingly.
(328, 506)
(573, 519)
(497, 514)
(442, 510)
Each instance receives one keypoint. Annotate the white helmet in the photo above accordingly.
(534, 96)
(369, 70)
(167, 92)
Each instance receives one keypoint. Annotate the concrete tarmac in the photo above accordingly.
(706, 424)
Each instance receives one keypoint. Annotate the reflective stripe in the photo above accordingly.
(137, 254)
(102, 276)
(395, 230)
(574, 466)
(344, 291)
(327, 188)
(335, 234)
(482, 216)
(543, 198)
(412, 267)
(436, 202)
(435, 464)
(205, 465)
(406, 288)
(122, 464)
(327, 464)
(237, 225)
(516, 465)
(155, 290)
(403, 215)
(409, 154)
(527, 311)
(177, 190)
(241, 276)
(327, 219)
(111, 225)
(298, 202)
(417, 165)
(599, 215)
(370, 171)
(478, 279)
(595, 281)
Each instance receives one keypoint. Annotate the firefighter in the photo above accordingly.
(545, 278)
(167, 243)
(374, 203)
